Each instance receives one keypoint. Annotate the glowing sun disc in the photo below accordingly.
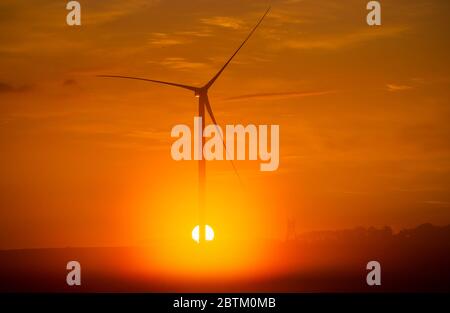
(209, 233)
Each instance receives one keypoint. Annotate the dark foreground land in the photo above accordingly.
(414, 260)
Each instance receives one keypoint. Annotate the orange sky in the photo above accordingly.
(85, 161)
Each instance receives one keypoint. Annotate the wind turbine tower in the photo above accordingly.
(203, 102)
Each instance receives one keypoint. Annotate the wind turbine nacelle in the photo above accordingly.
(197, 93)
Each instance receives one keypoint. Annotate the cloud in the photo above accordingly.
(180, 63)
(343, 40)
(153, 134)
(116, 137)
(442, 204)
(163, 39)
(179, 37)
(286, 17)
(6, 88)
(223, 21)
(42, 114)
(394, 87)
(105, 12)
(205, 32)
(436, 202)
(69, 82)
(279, 95)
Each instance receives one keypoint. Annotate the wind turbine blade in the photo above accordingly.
(152, 81)
(209, 84)
(211, 114)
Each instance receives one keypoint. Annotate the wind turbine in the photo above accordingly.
(203, 102)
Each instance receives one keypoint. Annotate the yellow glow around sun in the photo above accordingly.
(209, 233)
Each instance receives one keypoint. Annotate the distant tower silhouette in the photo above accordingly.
(290, 230)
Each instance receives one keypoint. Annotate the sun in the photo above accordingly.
(209, 233)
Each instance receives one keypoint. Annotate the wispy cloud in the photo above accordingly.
(279, 95)
(163, 39)
(204, 32)
(223, 21)
(6, 88)
(112, 10)
(112, 136)
(144, 134)
(180, 63)
(444, 204)
(179, 37)
(41, 115)
(286, 17)
(69, 82)
(343, 40)
(395, 87)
